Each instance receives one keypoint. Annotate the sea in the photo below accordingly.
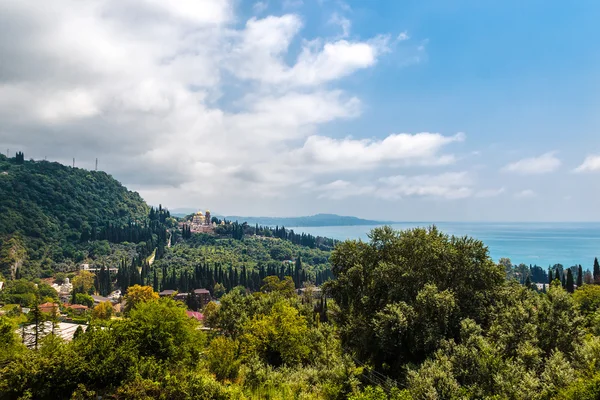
(542, 244)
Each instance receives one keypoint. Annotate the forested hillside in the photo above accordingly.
(413, 315)
(45, 207)
(53, 218)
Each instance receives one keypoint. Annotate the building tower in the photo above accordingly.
(207, 219)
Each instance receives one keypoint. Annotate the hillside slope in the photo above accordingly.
(45, 203)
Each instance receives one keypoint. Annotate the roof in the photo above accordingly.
(195, 314)
(167, 292)
(63, 329)
(201, 291)
(100, 299)
(48, 305)
(78, 307)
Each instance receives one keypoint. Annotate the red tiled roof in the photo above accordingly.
(78, 307)
(195, 314)
(48, 307)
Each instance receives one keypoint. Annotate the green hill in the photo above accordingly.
(44, 206)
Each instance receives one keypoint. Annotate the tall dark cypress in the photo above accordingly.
(570, 284)
(550, 278)
(297, 272)
(596, 271)
(579, 276)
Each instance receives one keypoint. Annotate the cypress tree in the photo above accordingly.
(570, 284)
(550, 279)
(36, 317)
(528, 282)
(596, 271)
(563, 281)
(579, 277)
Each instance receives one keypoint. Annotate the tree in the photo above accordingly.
(587, 299)
(84, 283)
(272, 284)
(78, 333)
(36, 318)
(279, 337)
(404, 291)
(222, 359)
(596, 271)
(570, 284)
(162, 329)
(84, 299)
(219, 290)
(20, 158)
(137, 294)
(59, 278)
(103, 311)
(550, 277)
(579, 277)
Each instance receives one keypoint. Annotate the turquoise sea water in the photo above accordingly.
(530, 243)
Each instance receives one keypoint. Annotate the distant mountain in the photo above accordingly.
(313, 220)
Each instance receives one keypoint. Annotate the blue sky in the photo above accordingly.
(404, 110)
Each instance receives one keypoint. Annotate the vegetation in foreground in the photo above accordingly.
(413, 315)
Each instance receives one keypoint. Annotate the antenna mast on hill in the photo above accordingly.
(96, 164)
(73, 162)
(6, 153)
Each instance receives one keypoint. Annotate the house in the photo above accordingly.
(181, 296)
(78, 309)
(196, 315)
(203, 295)
(1, 285)
(167, 293)
(49, 308)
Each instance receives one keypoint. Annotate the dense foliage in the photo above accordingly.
(45, 207)
(414, 314)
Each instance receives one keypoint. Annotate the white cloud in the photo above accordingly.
(486, 193)
(545, 163)
(341, 189)
(258, 54)
(146, 86)
(260, 6)
(590, 164)
(450, 185)
(344, 23)
(420, 149)
(525, 194)
(402, 36)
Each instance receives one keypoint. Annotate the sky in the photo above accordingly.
(412, 110)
